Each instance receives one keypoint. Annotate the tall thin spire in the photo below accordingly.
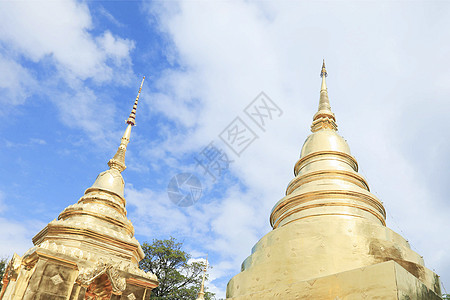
(201, 294)
(118, 161)
(132, 118)
(324, 118)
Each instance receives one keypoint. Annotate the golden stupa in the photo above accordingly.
(329, 237)
(201, 293)
(90, 251)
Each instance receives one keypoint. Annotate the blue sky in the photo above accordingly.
(69, 72)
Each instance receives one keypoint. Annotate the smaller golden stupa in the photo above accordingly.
(201, 294)
(90, 251)
(329, 237)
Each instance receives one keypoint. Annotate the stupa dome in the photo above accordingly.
(325, 140)
(111, 181)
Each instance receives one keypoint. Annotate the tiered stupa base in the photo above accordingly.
(386, 281)
(333, 257)
(57, 273)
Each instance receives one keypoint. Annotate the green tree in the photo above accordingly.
(446, 296)
(3, 263)
(178, 278)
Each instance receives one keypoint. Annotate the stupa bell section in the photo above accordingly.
(90, 251)
(329, 237)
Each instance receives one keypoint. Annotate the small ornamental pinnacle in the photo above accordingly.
(324, 118)
(201, 294)
(324, 71)
(118, 161)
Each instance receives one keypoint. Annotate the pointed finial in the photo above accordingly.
(324, 118)
(324, 71)
(118, 161)
(132, 118)
(201, 294)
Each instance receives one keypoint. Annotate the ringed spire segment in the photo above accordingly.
(118, 161)
(201, 294)
(132, 118)
(324, 118)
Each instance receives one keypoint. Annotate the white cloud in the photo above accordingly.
(15, 238)
(81, 109)
(58, 37)
(114, 47)
(16, 83)
(118, 50)
(109, 17)
(152, 206)
(31, 142)
(37, 141)
(60, 30)
(2, 204)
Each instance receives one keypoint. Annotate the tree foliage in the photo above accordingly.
(178, 278)
(3, 264)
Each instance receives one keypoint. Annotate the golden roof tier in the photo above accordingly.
(327, 182)
(329, 237)
(90, 251)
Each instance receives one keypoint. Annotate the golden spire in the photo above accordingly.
(201, 294)
(324, 118)
(118, 161)
(324, 71)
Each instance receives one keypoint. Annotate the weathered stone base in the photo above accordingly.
(387, 280)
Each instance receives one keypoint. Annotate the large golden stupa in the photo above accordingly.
(329, 237)
(90, 251)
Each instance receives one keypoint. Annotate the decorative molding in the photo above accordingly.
(114, 271)
(87, 275)
(131, 296)
(69, 251)
(56, 279)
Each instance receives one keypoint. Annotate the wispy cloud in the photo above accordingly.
(17, 236)
(16, 83)
(109, 17)
(31, 142)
